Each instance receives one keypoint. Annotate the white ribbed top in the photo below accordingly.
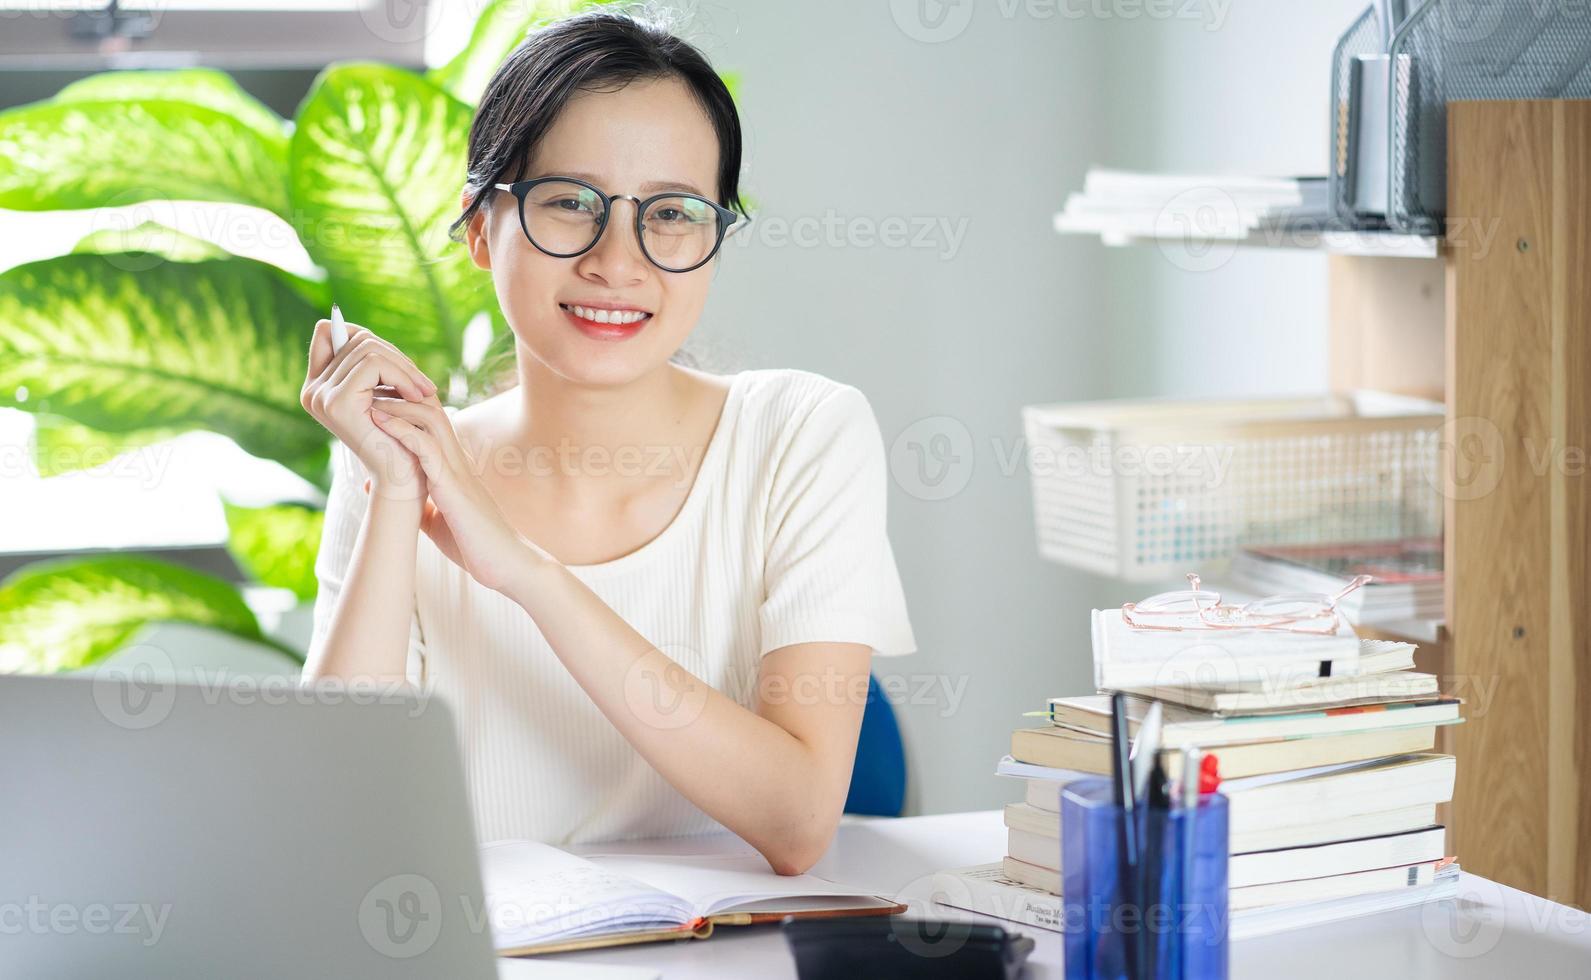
(781, 540)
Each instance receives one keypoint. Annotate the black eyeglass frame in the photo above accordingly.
(519, 188)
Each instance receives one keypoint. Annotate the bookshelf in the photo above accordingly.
(1501, 332)
(1494, 321)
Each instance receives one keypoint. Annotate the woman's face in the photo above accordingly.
(643, 139)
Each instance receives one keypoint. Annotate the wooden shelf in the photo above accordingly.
(1503, 335)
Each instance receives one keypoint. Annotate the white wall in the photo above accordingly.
(1251, 97)
(846, 111)
(851, 109)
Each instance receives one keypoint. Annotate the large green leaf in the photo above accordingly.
(378, 162)
(498, 30)
(69, 613)
(277, 545)
(164, 242)
(220, 344)
(198, 86)
(93, 150)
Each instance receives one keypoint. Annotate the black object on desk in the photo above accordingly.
(890, 947)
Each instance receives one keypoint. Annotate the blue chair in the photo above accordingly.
(878, 780)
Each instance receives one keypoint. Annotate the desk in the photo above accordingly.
(1489, 931)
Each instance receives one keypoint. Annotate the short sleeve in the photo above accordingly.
(346, 503)
(830, 573)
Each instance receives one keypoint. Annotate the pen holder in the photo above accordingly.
(1178, 927)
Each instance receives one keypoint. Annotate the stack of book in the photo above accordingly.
(1406, 576)
(1121, 205)
(1331, 780)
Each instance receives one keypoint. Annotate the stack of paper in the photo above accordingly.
(1121, 205)
(1406, 576)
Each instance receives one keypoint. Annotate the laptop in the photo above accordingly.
(158, 829)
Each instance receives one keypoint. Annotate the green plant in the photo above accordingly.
(141, 334)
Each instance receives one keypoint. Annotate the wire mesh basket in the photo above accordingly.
(1143, 490)
(1444, 51)
(1350, 204)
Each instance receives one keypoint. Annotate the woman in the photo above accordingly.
(649, 594)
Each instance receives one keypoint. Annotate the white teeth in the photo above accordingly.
(607, 316)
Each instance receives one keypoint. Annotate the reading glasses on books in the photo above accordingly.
(1195, 608)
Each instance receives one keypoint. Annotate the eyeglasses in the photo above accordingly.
(1194, 608)
(564, 217)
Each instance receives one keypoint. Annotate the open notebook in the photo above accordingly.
(540, 899)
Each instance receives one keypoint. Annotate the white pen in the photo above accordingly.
(339, 329)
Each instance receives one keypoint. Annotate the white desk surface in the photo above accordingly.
(1488, 931)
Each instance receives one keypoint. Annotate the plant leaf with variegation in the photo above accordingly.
(70, 613)
(220, 344)
(150, 236)
(378, 162)
(98, 153)
(165, 242)
(197, 86)
(277, 545)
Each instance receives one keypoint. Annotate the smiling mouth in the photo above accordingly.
(606, 318)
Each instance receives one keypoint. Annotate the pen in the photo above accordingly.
(339, 329)
(1127, 830)
(1188, 804)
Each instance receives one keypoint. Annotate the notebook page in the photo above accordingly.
(713, 883)
(536, 892)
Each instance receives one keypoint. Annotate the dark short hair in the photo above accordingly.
(601, 49)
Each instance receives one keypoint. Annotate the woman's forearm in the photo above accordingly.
(368, 637)
(742, 769)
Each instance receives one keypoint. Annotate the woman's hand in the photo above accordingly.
(462, 517)
(340, 390)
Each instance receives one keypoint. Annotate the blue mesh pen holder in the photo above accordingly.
(1179, 928)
